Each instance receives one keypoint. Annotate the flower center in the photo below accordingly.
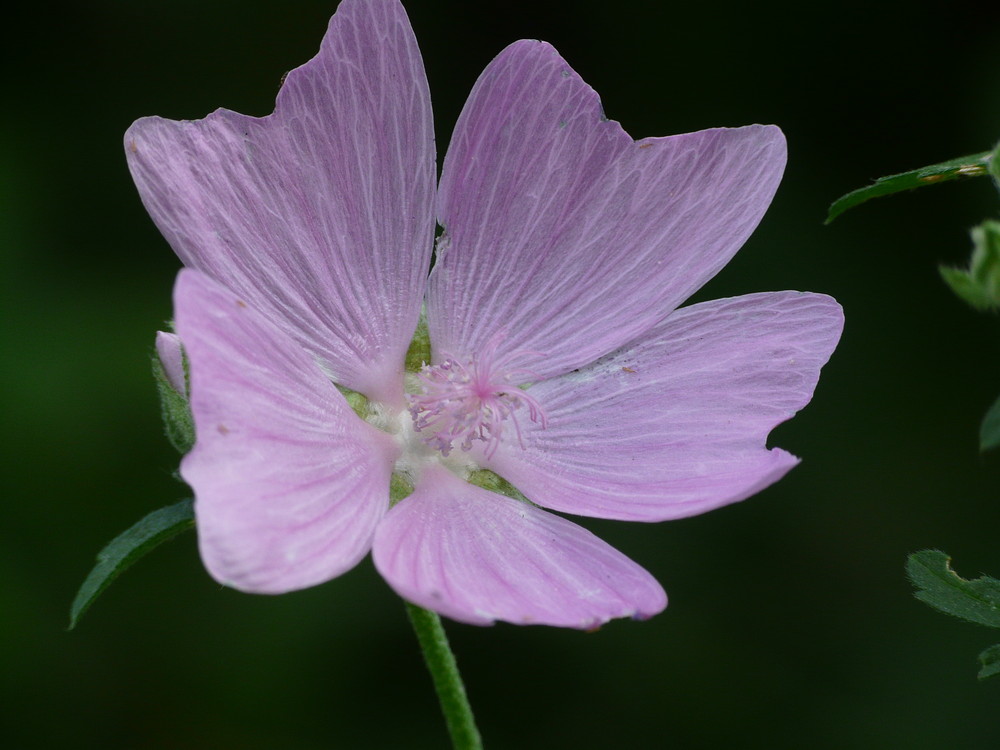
(462, 402)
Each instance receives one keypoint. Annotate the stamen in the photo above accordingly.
(463, 402)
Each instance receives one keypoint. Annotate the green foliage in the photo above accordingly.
(989, 430)
(980, 284)
(990, 659)
(975, 165)
(976, 600)
(149, 533)
(938, 585)
(994, 166)
(175, 409)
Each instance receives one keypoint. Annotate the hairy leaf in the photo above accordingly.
(939, 586)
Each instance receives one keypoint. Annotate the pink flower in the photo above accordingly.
(560, 361)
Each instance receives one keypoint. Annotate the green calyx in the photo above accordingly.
(495, 483)
(178, 423)
(401, 484)
(400, 487)
(356, 401)
(419, 352)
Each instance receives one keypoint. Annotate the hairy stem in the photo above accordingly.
(447, 680)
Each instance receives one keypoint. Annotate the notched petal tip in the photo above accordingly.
(602, 235)
(331, 195)
(676, 423)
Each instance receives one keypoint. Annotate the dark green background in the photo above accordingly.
(791, 624)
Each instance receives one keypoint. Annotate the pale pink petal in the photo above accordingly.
(321, 214)
(477, 557)
(289, 483)
(171, 356)
(564, 235)
(676, 422)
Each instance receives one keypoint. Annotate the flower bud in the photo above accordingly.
(168, 349)
(170, 371)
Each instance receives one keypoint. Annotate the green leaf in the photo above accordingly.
(964, 166)
(979, 285)
(939, 586)
(962, 284)
(990, 659)
(156, 528)
(989, 430)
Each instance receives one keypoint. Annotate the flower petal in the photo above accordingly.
(676, 422)
(320, 215)
(477, 557)
(289, 484)
(566, 236)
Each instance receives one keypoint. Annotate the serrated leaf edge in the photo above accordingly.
(949, 578)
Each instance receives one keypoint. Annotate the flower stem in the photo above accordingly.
(447, 680)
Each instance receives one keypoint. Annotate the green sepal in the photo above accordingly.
(178, 423)
(495, 483)
(400, 487)
(989, 430)
(990, 659)
(976, 600)
(149, 533)
(357, 401)
(980, 284)
(419, 352)
(975, 165)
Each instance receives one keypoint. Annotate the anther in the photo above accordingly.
(464, 402)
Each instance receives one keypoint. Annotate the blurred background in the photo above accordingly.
(791, 623)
